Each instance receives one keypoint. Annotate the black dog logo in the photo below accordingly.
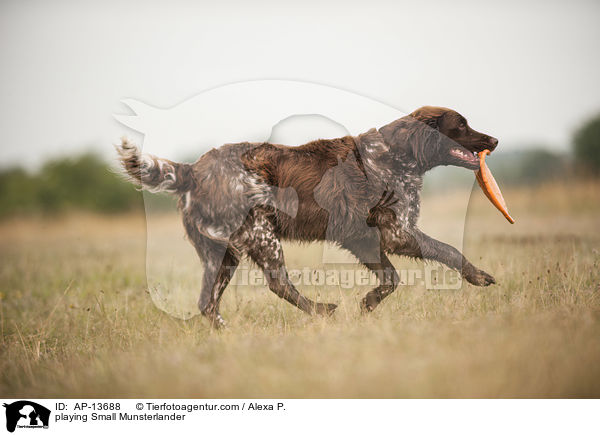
(30, 414)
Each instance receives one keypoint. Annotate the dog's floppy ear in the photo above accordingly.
(429, 115)
(414, 139)
(424, 141)
(432, 122)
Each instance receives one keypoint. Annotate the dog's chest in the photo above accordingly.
(407, 188)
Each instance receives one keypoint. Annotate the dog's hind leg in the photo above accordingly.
(220, 263)
(217, 274)
(280, 284)
(264, 248)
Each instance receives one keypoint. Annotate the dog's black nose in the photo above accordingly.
(493, 142)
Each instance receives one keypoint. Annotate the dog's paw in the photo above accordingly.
(215, 319)
(325, 309)
(480, 278)
(219, 322)
(365, 308)
(368, 304)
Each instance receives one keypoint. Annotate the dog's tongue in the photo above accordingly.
(490, 187)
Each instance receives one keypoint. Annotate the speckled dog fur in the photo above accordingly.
(361, 193)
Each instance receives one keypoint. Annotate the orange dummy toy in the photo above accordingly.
(490, 187)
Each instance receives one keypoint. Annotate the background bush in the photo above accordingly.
(84, 183)
(586, 146)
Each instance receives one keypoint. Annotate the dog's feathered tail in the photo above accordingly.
(152, 173)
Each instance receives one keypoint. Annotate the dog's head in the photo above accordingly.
(435, 136)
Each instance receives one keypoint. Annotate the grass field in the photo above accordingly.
(77, 319)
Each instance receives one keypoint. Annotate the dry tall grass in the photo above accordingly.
(76, 319)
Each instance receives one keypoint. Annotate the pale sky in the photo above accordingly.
(525, 73)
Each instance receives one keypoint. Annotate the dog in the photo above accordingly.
(362, 193)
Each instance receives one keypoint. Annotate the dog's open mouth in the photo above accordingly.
(465, 158)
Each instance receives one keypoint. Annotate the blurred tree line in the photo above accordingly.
(87, 182)
(538, 164)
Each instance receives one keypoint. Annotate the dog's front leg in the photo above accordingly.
(367, 250)
(388, 281)
(416, 244)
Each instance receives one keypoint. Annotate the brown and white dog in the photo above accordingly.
(360, 192)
